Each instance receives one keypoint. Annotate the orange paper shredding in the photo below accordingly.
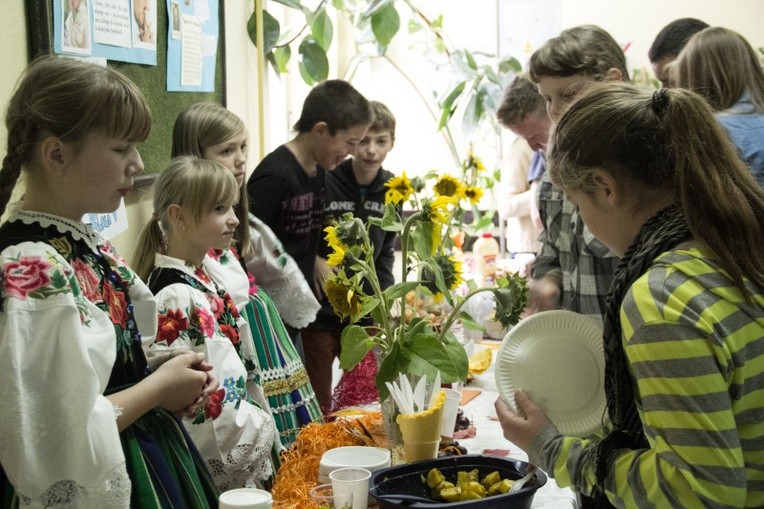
(300, 464)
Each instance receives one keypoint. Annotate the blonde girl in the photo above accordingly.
(194, 203)
(210, 131)
(84, 422)
(684, 327)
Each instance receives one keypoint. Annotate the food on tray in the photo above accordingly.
(467, 486)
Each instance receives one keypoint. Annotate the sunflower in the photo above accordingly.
(332, 239)
(343, 298)
(449, 186)
(436, 211)
(451, 271)
(475, 162)
(337, 257)
(474, 194)
(398, 189)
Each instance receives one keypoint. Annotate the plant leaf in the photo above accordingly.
(510, 64)
(398, 290)
(396, 361)
(322, 29)
(385, 23)
(447, 107)
(313, 64)
(427, 355)
(271, 30)
(356, 343)
(281, 56)
(473, 112)
(468, 322)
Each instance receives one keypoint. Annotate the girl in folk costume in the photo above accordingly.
(85, 421)
(212, 132)
(194, 204)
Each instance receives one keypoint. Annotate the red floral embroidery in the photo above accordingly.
(215, 405)
(231, 332)
(205, 321)
(230, 306)
(217, 305)
(215, 254)
(25, 276)
(199, 273)
(171, 325)
(88, 280)
(252, 285)
(117, 304)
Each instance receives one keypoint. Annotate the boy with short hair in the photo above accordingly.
(573, 270)
(357, 186)
(669, 43)
(286, 190)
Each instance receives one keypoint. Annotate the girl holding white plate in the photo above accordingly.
(657, 180)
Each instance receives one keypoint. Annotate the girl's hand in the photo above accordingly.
(210, 387)
(184, 380)
(521, 428)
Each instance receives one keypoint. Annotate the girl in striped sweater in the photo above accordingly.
(684, 327)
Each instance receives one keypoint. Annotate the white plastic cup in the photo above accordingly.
(450, 409)
(350, 487)
(246, 498)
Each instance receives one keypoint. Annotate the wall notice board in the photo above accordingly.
(152, 80)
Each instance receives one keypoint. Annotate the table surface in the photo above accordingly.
(481, 412)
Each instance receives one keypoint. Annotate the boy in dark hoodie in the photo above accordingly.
(356, 185)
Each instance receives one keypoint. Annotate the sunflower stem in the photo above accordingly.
(455, 313)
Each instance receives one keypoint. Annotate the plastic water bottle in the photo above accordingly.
(486, 252)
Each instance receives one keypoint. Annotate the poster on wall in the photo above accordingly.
(123, 30)
(192, 41)
(525, 25)
(108, 225)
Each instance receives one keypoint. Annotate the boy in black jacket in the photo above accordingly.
(356, 185)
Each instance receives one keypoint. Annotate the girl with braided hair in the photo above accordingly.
(684, 324)
(85, 422)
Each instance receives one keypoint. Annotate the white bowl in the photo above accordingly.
(370, 458)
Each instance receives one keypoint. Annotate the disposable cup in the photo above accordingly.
(450, 409)
(416, 451)
(246, 498)
(323, 496)
(350, 487)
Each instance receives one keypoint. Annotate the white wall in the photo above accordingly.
(13, 56)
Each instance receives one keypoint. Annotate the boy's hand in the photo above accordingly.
(321, 271)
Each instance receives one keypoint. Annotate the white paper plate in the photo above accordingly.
(556, 357)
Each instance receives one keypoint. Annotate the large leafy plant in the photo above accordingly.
(476, 80)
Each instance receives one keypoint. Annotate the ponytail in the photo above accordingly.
(667, 144)
(150, 242)
(721, 201)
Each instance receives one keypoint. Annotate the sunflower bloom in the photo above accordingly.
(337, 257)
(343, 298)
(332, 239)
(474, 194)
(449, 186)
(451, 271)
(398, 189)
(475, 162)
(436, 210)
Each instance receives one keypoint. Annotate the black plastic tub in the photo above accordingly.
(391, 486)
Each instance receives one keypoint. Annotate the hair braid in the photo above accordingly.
(21, 138)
